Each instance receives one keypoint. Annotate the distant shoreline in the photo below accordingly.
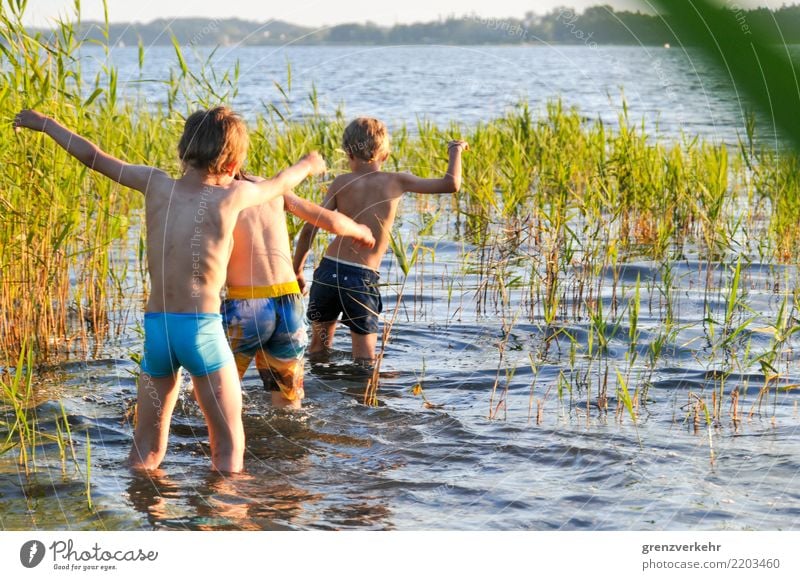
(408, 45)
(599, 25)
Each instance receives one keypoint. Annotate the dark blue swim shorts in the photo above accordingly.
(346, 289)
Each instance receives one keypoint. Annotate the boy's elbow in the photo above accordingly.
(453, 184)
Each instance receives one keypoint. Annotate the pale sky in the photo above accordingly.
(315, 12)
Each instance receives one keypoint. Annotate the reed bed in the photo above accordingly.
(552, 208)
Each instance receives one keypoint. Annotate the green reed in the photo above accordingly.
(16, 403)
(552, 208)
(19, 418)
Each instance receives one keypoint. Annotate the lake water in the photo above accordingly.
(545, 459)
(672, 90)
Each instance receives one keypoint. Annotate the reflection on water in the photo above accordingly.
(281, 451)
(218, 503)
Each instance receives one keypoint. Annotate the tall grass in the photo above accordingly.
(552, 206)
(19, 420)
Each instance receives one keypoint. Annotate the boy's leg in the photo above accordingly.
(219, 395)
(364, 347)
(321, 337)
(242, 331)
(324, 307)
(281, 360)
(363, 305)
(280, 402)
(155, 401)
(283, 379)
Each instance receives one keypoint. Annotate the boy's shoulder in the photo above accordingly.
(230, 194)
(382, 181)
(240, 188)
(144, 178)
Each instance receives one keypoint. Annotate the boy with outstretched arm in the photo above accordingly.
(346, 280)
(263, 312)
(190, 222)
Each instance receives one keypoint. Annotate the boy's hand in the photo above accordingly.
(461, 145)
(315, 162)
(301, 282)
(364, 237)
(29, 119)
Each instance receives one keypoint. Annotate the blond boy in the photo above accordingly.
(190, 222)
(346, 281)
(263, 312)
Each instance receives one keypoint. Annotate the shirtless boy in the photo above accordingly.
(190, 222)
(263, 312)
(347, 277)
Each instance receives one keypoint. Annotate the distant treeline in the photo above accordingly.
(599, 25)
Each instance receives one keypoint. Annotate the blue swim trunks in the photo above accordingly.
(266, 322)
(195, 342)
(346, 289)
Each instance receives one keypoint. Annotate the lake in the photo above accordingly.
(670, 89)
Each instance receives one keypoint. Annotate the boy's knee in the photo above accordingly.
(284, 377)
(229, 442)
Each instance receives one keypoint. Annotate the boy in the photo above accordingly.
(346, 280)
(190, 223)
(263, 312)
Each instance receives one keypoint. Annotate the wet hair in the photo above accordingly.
(214, 140)
(366, 138)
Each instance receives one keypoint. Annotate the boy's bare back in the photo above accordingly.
(370, 199)
(261, 256)
(190, 232)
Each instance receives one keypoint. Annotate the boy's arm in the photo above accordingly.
(263, 191)
(450, 183)
(306, 237)
(133, 176)
(328, 220)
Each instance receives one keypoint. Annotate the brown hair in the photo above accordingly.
(366, 138)
(214, 140)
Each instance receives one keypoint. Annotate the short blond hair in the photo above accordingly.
(214, 140)
(366, 138)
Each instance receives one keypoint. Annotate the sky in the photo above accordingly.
(315, 12)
